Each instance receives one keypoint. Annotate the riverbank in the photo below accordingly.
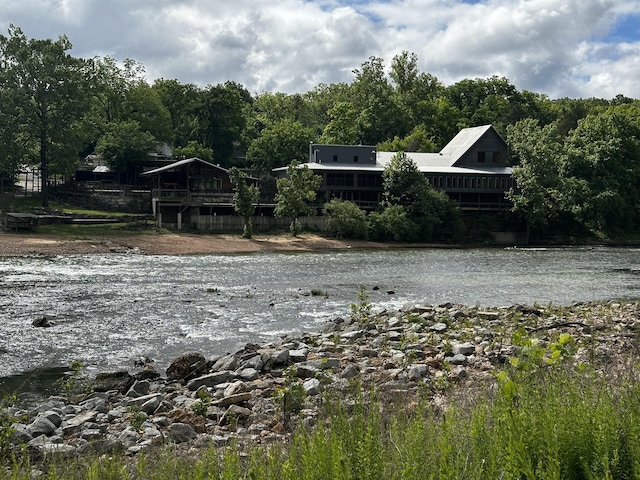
(260, 394)
(17, 244)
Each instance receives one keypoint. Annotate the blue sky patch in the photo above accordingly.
(627, 29)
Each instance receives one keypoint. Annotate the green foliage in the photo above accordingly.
(346, 220)
(290, 394)
(393, 223)
(426, 214)
(294, 192)
(76, 383)
(200, 406)
(361, 308)
(138, 417)
(279, 144)
(125, 144)
(245, 197)
(194, 149)
(43, 91)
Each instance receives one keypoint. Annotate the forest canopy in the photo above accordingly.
(576, 160)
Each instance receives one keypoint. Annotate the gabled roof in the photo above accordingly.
(463, 141)
(180, 163)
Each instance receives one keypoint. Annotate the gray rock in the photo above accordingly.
(329, 363)
(53, 417)
(152, 404)
(306, 371)
(140, 401)
(249, 374)
(233, 399)
(228, 362)
(41, 426)
(120, 380)
(416, 372)
(20, 434)
(280, 357)
(235, 411)
(438, 327)
(350, 371)
(312, 386)
(353, 335)
(210, 380)
(466, 348)
(256, 362)
(139, 388)
(458, 359)
(128, 437)
(300, 355)
(181, 432)
(72, 425)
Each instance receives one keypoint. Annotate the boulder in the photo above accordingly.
(181, 432)
(119, 380)
(186, 365)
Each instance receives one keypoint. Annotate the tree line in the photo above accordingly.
(576, 160)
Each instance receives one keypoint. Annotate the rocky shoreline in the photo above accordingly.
(260, 393)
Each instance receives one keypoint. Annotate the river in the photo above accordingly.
(107, 311)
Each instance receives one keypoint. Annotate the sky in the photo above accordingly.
(561, 48)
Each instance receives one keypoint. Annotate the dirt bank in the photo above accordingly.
(15, 244)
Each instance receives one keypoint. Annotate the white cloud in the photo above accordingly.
(561, 48)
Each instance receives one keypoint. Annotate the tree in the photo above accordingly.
(180, 101)
(194, 149)
(124, 144)
(342, 128)
(44, 89)
(416, 141)
(345, 219)
(244, 199)
(299, 187)
(433, 214)
(220, 118)
(279, 144)
(379, 117)
(540, 194)
(393, 223)
(602, 162)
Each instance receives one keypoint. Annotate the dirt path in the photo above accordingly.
(14, 244)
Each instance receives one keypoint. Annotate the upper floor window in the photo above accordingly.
(355, 158)
(335, 158)
(481, 157)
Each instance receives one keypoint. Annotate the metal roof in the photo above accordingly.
(181, 163)
(463, 141)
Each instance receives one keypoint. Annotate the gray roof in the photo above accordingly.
(427, 169)
(181, 163)
(463, 141)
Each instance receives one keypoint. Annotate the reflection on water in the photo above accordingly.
(109, 310)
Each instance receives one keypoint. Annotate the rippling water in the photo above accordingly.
(108, 310)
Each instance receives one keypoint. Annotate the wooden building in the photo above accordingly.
(183, 191)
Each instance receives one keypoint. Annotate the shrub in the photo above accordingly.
(393, 223)
(346, 220)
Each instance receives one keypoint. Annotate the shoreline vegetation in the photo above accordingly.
(432, 391)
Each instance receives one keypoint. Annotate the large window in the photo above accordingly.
(369, 180)
(339, 179)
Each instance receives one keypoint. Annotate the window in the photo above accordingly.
(369, 180)
(355, 158)
(339, 179)
(481, 157)
(497, 157)
(335, 158)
